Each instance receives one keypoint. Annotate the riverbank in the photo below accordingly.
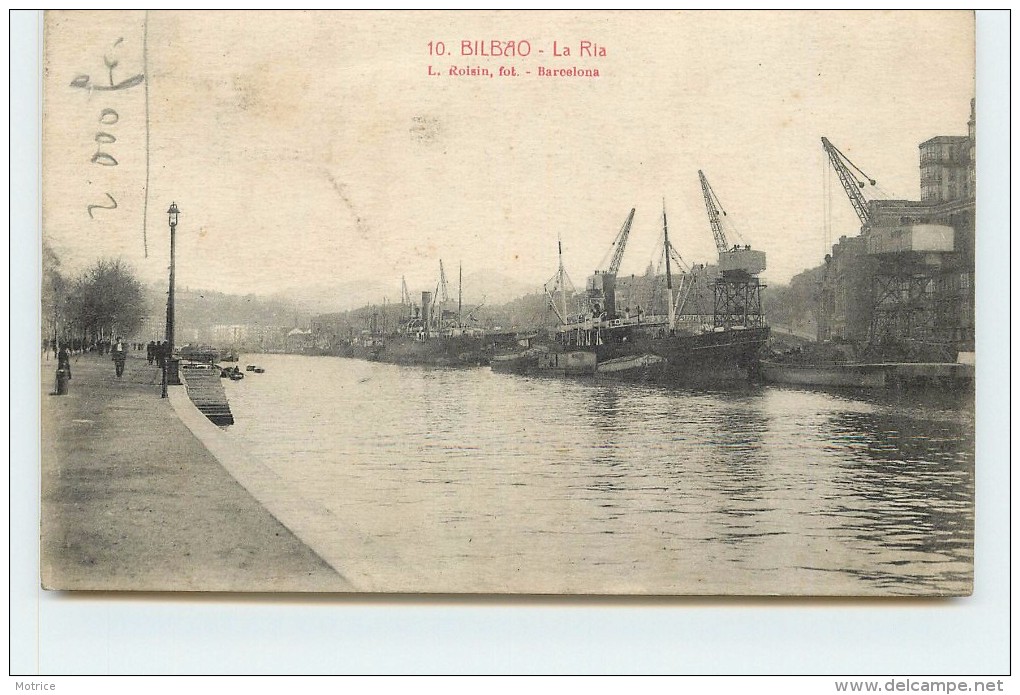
(131, 500)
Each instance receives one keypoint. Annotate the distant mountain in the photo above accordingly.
(324, 298)
(321, 298)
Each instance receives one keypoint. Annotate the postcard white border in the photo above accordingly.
(112, 634)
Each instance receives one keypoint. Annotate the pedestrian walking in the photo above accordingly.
(63, 371)
(150, 351)
(161, 354)
(119, 352)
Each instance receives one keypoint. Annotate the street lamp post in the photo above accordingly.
(169, 378)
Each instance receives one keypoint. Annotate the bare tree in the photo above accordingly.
(106, 298)
(54, 295)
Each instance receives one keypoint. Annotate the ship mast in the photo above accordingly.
(558, 283)
(460, 295)
(669, 272)
(563, 285)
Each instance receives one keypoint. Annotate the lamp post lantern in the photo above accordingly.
(169, 364)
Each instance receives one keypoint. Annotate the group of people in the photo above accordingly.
(77, 346)
(157, 352)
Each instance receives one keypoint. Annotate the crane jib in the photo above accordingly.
(713, 208)
(620, 244)
(851, 184)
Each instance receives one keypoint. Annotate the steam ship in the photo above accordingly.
(677, 348)
(431, 335)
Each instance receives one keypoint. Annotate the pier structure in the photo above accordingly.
(737, 289)
(905, 284)
(205, 389)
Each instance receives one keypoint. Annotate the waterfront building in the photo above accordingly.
(908, 278)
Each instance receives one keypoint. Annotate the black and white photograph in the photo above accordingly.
(609, 303)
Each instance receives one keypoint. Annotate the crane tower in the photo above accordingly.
(737, 290)
(601, 286)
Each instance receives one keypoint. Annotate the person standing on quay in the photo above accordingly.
(63, 371)
(119, 356)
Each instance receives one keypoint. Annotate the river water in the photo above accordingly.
(442, 480)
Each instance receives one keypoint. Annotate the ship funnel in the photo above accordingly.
(426, 309)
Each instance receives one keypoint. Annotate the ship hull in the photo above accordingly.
(546, 362)
(645, 367)
(704, 359)
(841, 376)
(715, 357)
(440, 351)
(514, 364)
(945, 375)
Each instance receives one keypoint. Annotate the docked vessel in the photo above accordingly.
(830, 375)
(946, 375)
(895, 305)
(436, 351)
(431, 335)
(543, 360)
(840, 367)
(674, 347)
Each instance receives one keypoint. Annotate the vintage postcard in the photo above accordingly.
(654, 303)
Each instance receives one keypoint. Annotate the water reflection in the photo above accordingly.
(469, 480)
(904, 497)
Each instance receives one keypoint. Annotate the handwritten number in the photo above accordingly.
(102, 207)
(108, 117)
(103, 159)
(100, 157)
(84, 82)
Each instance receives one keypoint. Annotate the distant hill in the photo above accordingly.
(322, 298)
(504, 302)
(496, 287)
(197, 311)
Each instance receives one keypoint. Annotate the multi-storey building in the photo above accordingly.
(908, 279)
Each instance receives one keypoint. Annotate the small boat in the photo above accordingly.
(250, 368)
(946, 375)
(631, 366)
(575, 362)
(259, 370)
(839, 375)
(522, 362)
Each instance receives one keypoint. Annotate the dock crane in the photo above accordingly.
(852, 184)
(714, 208)
(620, 244)
(405, 297)
(601, 286)
(444, 286)
(902, 266)
(738, 260)
(737, 291)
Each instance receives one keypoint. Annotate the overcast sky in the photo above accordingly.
(313, 149)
